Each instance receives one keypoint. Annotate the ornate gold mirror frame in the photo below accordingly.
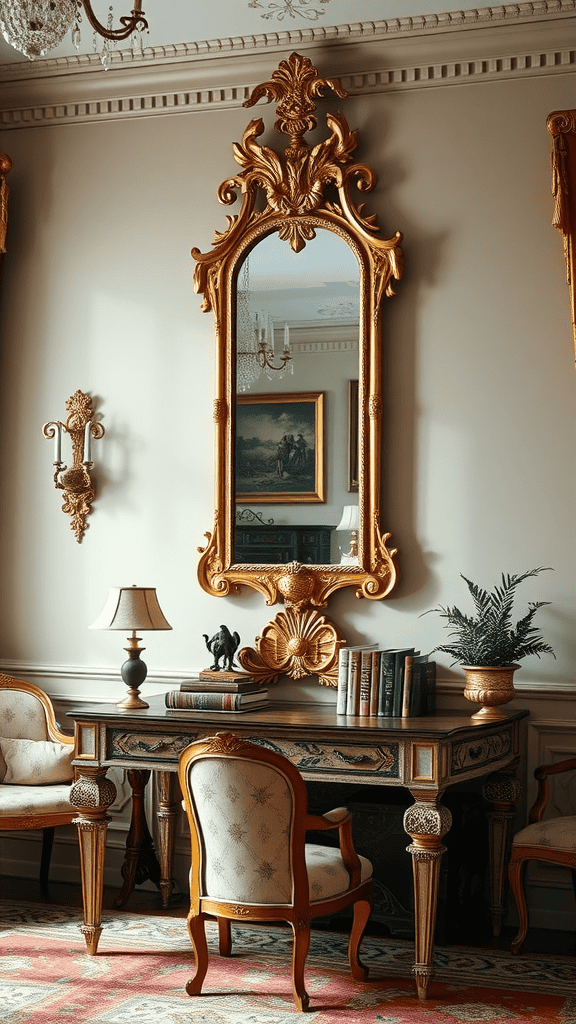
(562, 126)
(304, 188)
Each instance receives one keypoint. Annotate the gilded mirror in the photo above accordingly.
(295, 283)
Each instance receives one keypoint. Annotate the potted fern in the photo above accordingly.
(488, 646)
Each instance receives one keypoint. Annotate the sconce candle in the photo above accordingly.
(87, 443)
(57, 442)
(286, 338)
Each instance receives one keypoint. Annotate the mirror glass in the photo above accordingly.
(296, 416)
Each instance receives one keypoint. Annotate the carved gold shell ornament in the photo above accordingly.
(294, 193)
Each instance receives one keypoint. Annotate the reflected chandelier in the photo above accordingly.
(34, 27)
(255, 341)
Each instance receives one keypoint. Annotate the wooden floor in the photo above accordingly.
(147, 901)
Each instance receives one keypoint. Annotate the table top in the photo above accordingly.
(431, 752)
(290, 716)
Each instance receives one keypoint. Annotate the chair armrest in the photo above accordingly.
(541, 774)
(341, 819)
(332, 819)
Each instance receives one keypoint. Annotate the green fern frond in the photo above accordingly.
(488, 637)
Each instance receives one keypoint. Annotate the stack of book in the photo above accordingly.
(217, 691)
(391, 682)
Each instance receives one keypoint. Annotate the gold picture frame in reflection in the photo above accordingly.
(280, 448)
(353, 436)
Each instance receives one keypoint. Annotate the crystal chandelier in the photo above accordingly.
(255, 341)
(34, 27)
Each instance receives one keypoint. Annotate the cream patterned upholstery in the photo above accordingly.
(554, 833)
(34, 752)
(327, 874)
(248, 815)
(551, 839)
(244, 812)
(26, 801)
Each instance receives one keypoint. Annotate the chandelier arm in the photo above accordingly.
(130, 23)
(264, 360)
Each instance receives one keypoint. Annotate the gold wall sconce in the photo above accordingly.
(75, 480)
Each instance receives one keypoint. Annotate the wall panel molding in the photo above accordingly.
(459, 48)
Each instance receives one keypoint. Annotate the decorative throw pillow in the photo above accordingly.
(36, 762)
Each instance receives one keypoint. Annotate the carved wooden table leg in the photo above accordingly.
(92, 794)
(140, 861)
(168, 804)
(501, 791)
(426, 822)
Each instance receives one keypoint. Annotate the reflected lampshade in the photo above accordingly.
(350, 518)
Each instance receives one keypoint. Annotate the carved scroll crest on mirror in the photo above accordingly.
(294, 194)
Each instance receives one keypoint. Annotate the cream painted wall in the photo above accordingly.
(479, 388)
(479, 381)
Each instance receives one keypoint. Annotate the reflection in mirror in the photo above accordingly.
(297, 334)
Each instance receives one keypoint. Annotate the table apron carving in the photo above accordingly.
(485, 751)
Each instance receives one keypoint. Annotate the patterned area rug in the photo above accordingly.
(143, 963)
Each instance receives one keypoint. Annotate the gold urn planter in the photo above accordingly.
(490, 686)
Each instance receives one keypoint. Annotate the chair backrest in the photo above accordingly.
(25, 713)
(247, 810)
(22, 712)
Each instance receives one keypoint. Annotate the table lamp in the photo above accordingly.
(350, 521)
(132, 608)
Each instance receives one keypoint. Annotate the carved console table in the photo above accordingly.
(424, 755)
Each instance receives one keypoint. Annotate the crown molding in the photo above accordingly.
(429, 51)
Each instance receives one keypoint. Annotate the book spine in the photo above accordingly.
(365, 677)
(430, 676)
(407, 687)
(353, 693)
(417, 694)
(398, 684)
(374, 683)
(211, 687)
(386, 684)
(343, 658)
(204, 701)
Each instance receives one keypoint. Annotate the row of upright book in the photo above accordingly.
(390, 683)
(217, 691)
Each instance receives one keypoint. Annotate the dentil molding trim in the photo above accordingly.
(458, 48)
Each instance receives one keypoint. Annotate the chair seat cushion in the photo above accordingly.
(327, 875)
(23, 800)
(36, 762)
(552, 834)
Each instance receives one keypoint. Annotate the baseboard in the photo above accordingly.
(20, 858)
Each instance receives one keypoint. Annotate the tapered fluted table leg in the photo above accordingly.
(426, 822)
(168, 804)
(92, 794)
(501, 791)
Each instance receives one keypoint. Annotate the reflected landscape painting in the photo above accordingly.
(280, 448)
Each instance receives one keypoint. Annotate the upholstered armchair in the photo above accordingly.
(552, 840)
(35, 766)
(248, 815)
